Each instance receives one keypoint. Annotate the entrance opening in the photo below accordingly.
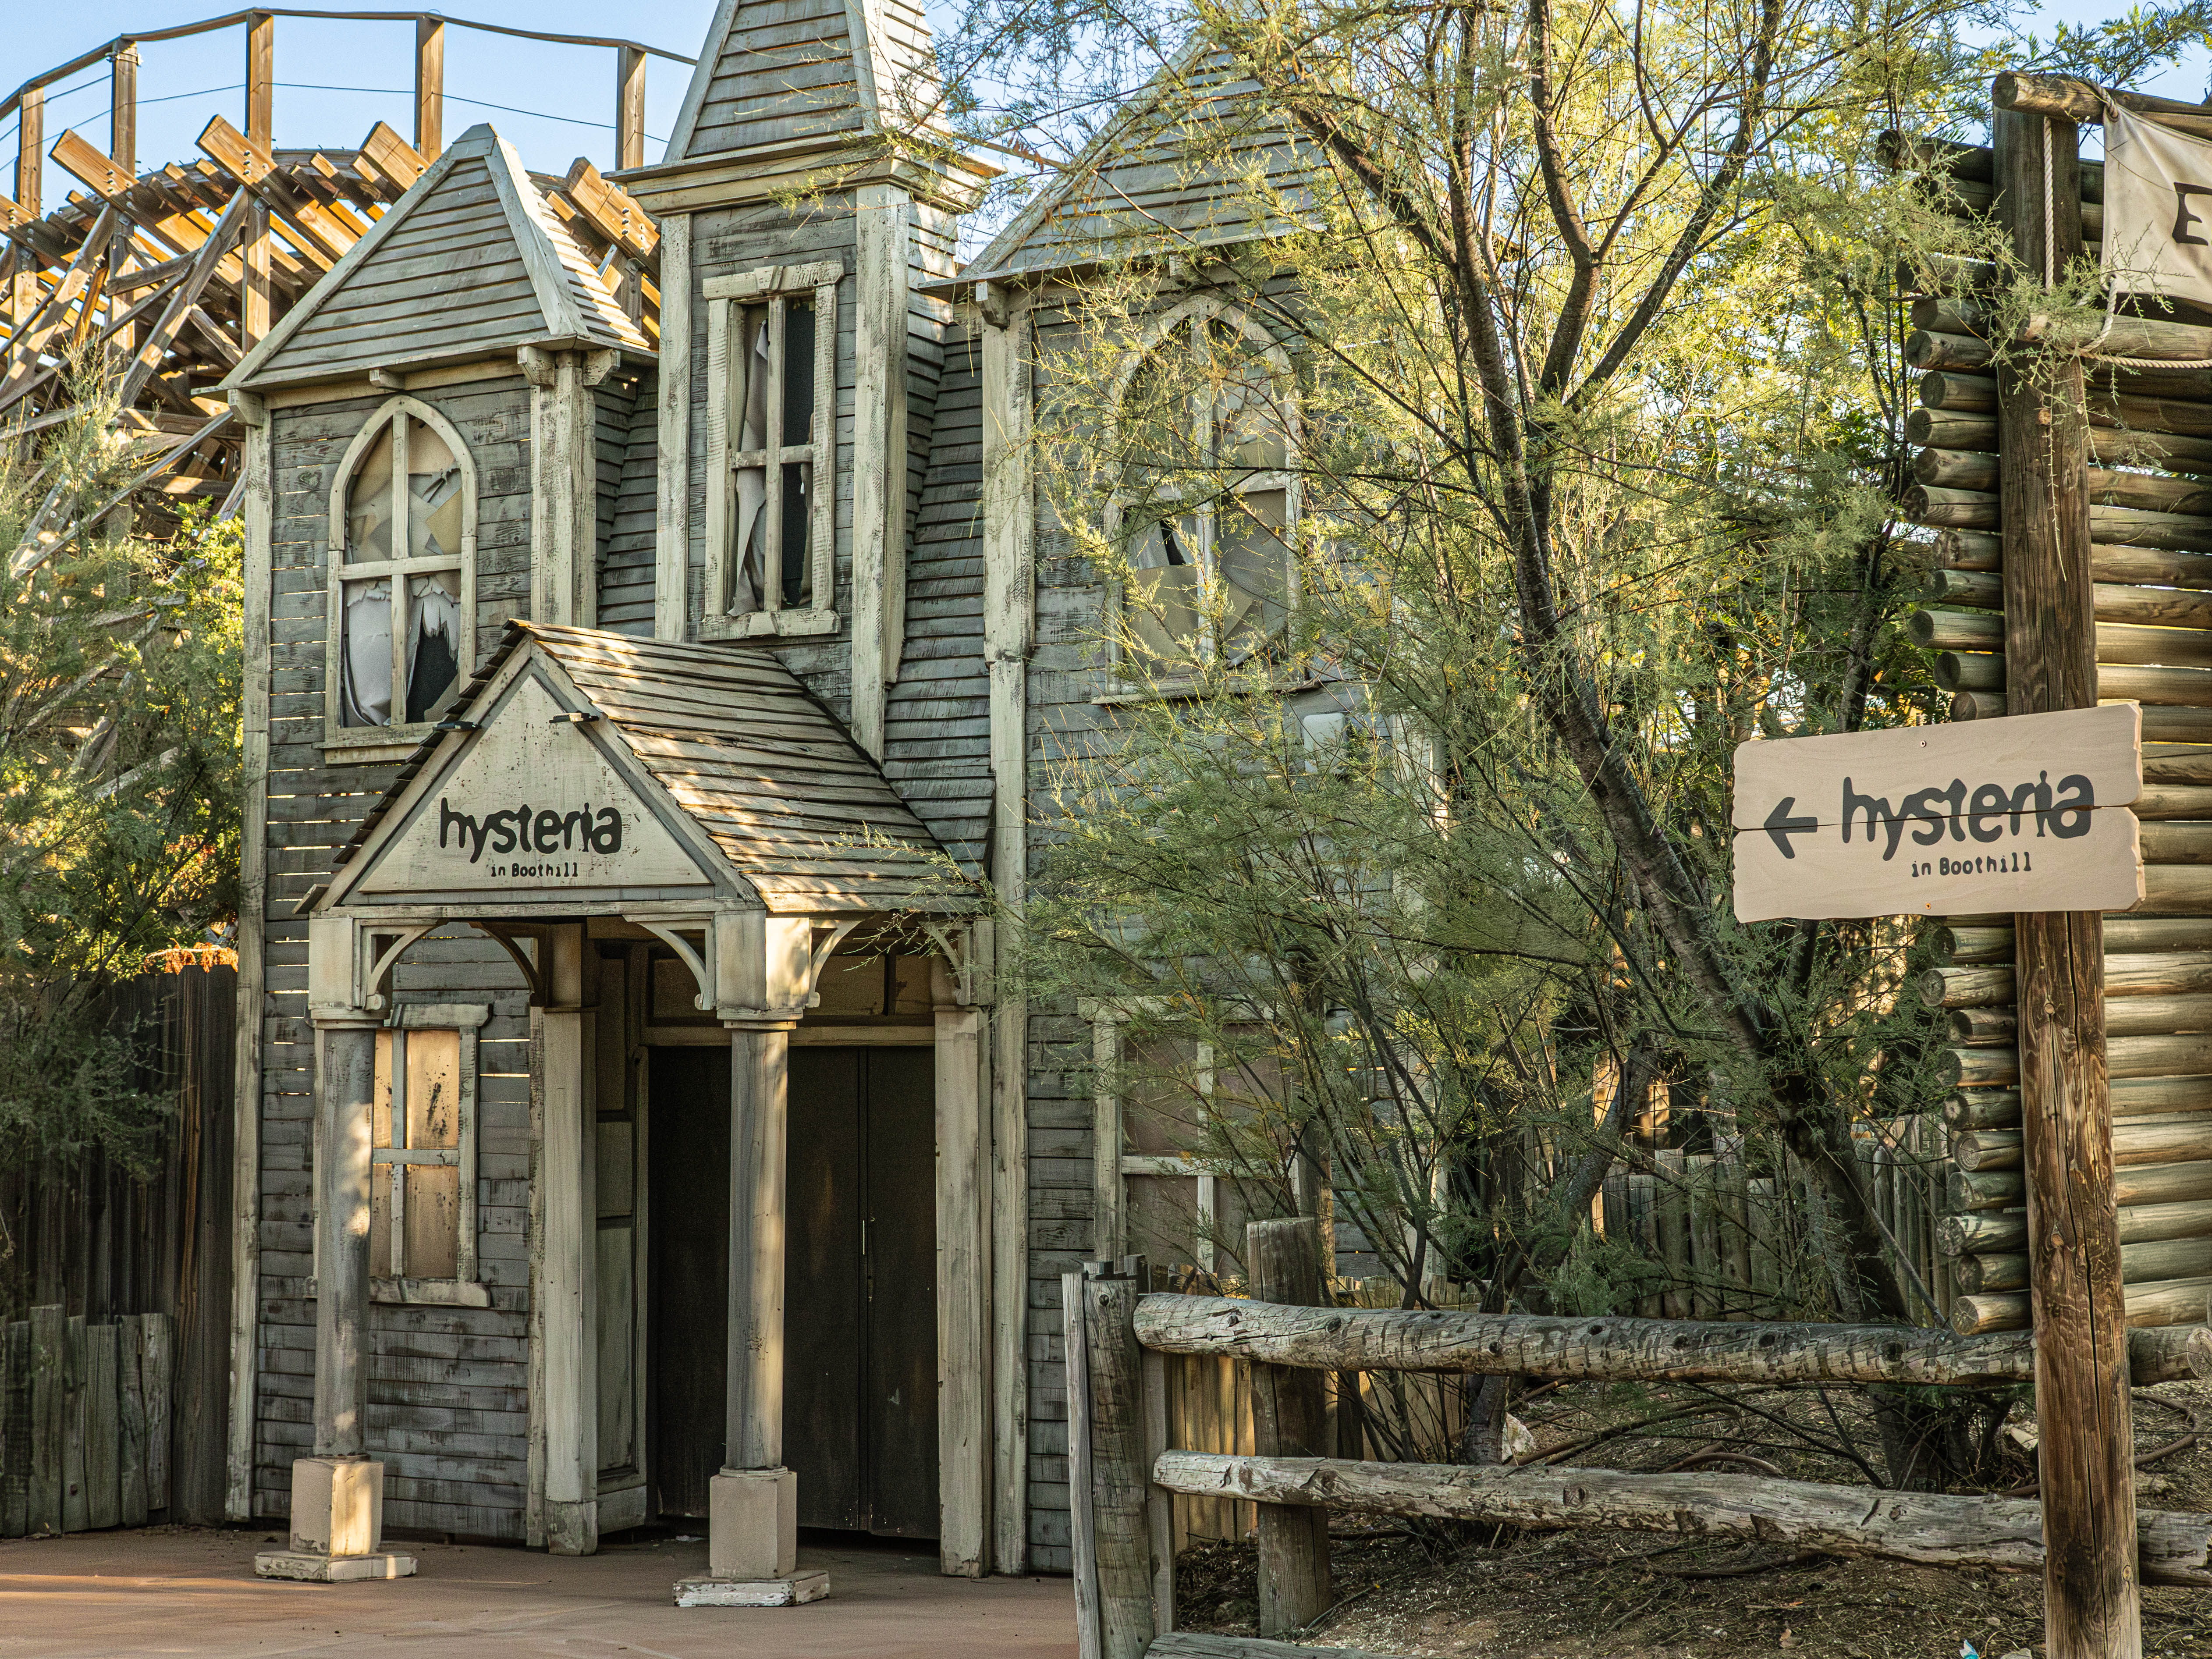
(860, 1421)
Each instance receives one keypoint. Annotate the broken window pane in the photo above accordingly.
(748, 534)
(434, 495)
(369, 504)
(1165, 587)
(1254, 563)
(433, 640)
(364, 653)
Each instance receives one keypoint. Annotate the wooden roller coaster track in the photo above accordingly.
(151, 284)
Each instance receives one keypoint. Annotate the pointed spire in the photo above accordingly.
(788, 75)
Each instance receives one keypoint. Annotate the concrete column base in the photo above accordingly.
(337, 1525)
(752, 1545)
(756, 1593)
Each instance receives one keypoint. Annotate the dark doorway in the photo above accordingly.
(860, 1284)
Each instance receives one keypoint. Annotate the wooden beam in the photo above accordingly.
(392, 156)
(611, 211)
(30, 148)
(123, 109)
(630, 107)
(430, 86)
(2092, 1608)
(1935, 1529)
(261, 80)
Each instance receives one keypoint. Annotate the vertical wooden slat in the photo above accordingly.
(15, 1424)
(1674, 1233)
(1159, 1503)
(75, 1510)
(2092, 1608)
(1076, 1346)
(430, 86)
(1288, 1421)
(1759, 1201)
(49, 1415)
(157, 1370)
(1119, 1487)
(103, 1429)
(131, 1466)
(630, 107)
(261, 80)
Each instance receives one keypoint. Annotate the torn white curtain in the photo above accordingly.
(748, 581)
(2158, 209)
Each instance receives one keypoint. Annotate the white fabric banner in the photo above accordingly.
(2158, 209)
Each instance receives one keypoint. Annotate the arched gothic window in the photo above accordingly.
(403, 574)
(1206, 437)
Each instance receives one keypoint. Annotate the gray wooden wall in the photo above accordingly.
(448, 1386)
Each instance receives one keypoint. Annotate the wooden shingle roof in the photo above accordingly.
(470, 259)
(803, 815)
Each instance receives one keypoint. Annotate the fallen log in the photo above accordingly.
(1204, 1644)
(1933, 1528)
(1604, 1349)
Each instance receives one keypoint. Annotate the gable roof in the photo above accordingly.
(785, 73)
(469, 259)
(1173, 171)
(799, 813)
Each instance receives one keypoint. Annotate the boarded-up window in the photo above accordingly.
(422, 1139)
(403, 581)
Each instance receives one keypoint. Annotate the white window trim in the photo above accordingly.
(726, 297)
(1191, 314)
(337, 736)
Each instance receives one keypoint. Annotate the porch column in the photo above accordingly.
(567, 1298)
(338, 1494)
(752, 1531)
(963, 1282)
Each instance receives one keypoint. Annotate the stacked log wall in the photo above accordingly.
(2150, 445)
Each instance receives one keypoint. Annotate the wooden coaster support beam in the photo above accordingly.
(430, 87)
(2092, 1605)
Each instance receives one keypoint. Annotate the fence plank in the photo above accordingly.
(131, 1467)
(1159, 1502)
(103, 1429)
(1077, 1348)
(49, 1416)
(76, 1513)
(158, 1370)
(1736, 1240)
(15, 1424)
(1674, 1234)
(1702, 1172)
(1643, 1229)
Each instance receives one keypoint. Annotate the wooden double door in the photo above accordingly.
(859, 1319)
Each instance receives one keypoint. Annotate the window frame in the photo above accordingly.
(1192, 317)
(466, 1287)
(390, 416)
(1112, 1165)
(727, 297)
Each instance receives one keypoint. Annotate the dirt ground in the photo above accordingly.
(1592, 1594)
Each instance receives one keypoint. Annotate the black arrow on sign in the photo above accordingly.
(1780, 825)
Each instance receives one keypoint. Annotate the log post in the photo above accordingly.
(1289, 1419)
(1121, 1485)
(2091, 1601)
(430, 86)
(261, 80)
(630, 107)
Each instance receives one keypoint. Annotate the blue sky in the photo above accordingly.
(569, 89)
(559, 99)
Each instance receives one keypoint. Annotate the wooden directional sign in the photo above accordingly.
(2026, 812)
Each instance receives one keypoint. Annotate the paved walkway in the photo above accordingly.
(102, 1595)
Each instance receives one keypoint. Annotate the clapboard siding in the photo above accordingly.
(937, 720)
(448, 1386)
(627, 519)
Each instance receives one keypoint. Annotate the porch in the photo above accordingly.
(193, 1591)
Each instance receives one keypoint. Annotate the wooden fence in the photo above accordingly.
(86, 1422)
(1129, 1463)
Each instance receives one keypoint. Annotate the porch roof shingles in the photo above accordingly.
(799, 810)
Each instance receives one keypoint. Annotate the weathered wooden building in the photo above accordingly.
(638, 677)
